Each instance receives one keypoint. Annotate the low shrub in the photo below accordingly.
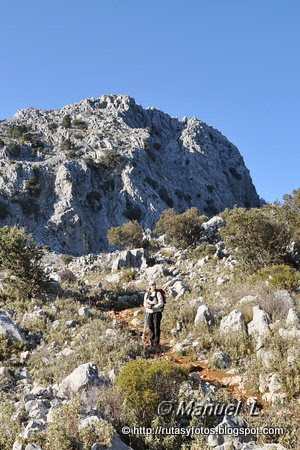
(257, 237)
(63, 432)
(14, 149)
(110, 159)
(52, 126)
(66, 122)
(67, 144)
(78, 123)
(181, 229)
(129, 235)
(66, 259)
(10, 427)
(280, 276)
(144, 384)
(17, 131)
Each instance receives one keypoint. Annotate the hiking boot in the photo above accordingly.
(151, 349)
(158, 348)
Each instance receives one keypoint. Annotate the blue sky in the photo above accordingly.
(234, 64)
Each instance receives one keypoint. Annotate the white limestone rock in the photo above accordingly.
(292, 318)
(204, 316)
(122, 172)
(259, 326)
(8, 328)
(234, 322)
(83, 376)
(136, 258)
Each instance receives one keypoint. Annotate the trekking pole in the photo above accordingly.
(144, 332)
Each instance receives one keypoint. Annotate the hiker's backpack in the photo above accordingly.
(163, 294)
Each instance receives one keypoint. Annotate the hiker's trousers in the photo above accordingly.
(154, 320)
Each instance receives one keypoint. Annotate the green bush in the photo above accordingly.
(281, 277)
(129, 235)
(67, 144)
(10, 428)
(52, 126)
(144, 384)
(16, 131)
(63, 432)
(257, 237)
(110, 159)
(34, 140)
(66, 122)
(292, 201)
(81, 124)
(66, 259)
(20, 258)
(181, 229)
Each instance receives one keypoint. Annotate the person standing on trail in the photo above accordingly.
(154, 305)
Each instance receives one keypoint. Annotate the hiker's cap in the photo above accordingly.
(153, 283)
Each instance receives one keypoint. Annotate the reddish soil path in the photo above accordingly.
(219, 378)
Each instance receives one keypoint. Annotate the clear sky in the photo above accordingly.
(233, 63)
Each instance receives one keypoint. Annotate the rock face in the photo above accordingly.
(69, 180)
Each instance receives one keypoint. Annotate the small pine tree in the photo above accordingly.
(66, 122)
(20, 259)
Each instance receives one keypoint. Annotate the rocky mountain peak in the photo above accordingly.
(68, 175)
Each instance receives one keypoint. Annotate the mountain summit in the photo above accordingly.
(68, 175)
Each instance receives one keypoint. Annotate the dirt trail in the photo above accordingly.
(219, 378)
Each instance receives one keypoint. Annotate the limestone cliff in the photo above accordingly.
(69, 175)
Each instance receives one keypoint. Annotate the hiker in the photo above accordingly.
(154, 305)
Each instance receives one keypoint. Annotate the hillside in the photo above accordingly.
(75, 372)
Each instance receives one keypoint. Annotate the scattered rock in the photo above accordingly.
(284, 297)
(293, 333)
(292, 318)
(83, 376)
(227, 423)
(126, 259)
(234, 322)
(85, 312)
(259, 326)
(204, 316)
(114, 278)
(154, 272)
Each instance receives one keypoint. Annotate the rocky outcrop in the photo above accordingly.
(69, 175)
